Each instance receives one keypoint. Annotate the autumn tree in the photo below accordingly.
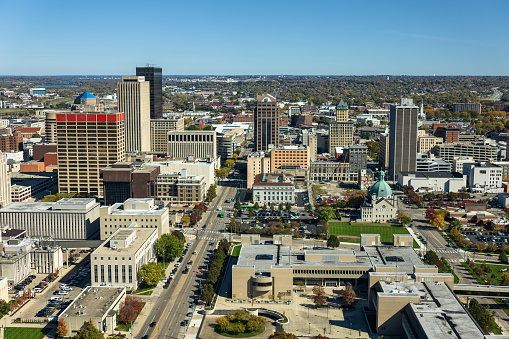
(151, 273)
(283, 335)
(333, 241)
(437, 221)
(319, 299)
(61, 328)
(348, 295)
(404, 219)
(505, 279)
(89, 332)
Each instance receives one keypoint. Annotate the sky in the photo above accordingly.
(317, 37)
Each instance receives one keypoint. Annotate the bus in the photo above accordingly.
(222, 214)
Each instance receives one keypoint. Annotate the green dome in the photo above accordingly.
(381, 189)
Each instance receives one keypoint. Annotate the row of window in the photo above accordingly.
(110, 278)
(329, 272)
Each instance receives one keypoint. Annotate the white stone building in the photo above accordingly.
(433, 181)
(275, 189)
(379, 205)
(483, 177)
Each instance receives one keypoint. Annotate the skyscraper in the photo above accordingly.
(342, 111)
(340, 135)
(154, 75)
(403, 138)
(134, 101)
(266, 123)
(88, 141)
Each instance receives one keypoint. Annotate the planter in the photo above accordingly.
(209, 310)
(252, 311)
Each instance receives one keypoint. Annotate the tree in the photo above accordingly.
(179, 235)
(170, 246)
(309, 208)
(505, 279)
(437, 221)
(288, 206)
(430, 213)
(151, 273)
(250, 213)
(89, 332)
(237, 205)
(319, 299)
(348, 295)
(480, 246)
(482, 314)
(281, 207)
(230, 163)
(272, 207)
(333, 241)
(326, 213)
(404, 219)
(61, 328)
(283, 335)
(256, 206)
(222, 324)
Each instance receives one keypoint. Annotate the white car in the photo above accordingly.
(195, 252)
(63, 292)
(66, 288)
(172, 275)
(37, 290)
(177, 264)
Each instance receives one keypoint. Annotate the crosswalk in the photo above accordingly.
(445, 251)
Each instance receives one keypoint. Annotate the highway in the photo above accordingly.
(170, 309)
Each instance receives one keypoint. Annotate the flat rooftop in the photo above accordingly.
(425, 175)
(93, 302)
(142, 234)
(66, 205)
(118, 209)
(402, 257)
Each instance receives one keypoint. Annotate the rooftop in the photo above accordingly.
(446, 175)
(142, 234)
(270, 179)
(75, 205)
(93, 302)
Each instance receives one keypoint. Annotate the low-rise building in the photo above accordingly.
(257, 163)
(327, 171)
(97, 304)
(69, 218)
(479, 151)
(426, 163)
(427, 142)
(289, 156)
(159, 129)
(192, 165)
(274, 189)
(118, 259)
(483, 177)
(433, 181)
(142, 211)
(180, 188)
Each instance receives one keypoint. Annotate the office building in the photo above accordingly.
(159, 129)
(37, 91)
(272, 268)
(73, 218)
(99, 304)
(257, 163)
(198, 144)
(124, 180)
(358, 159)
(289, 156)
(144, 212)
(460, 107)
(448, 134)
(118, 259)
(484, 177)
(192, 166)
(5, 182)
(310, 139)
(402, 137)
(433, 181)
(428, 163)
(26, 186)
(342, 111)
(87, 143)
(340, 135)
(46, 259)
(50, 127)
(459, 162)
(226, 144)
(11, 142)
(327, 171)
(427, 143)
(383, 156)
(133, 98)
(380, 205)
(180, 188)
(266, 123)
(275, 189)
(154, 75)
(478, 151)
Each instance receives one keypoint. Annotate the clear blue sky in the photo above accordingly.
(446, 37)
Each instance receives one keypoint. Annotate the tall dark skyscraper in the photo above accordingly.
(155, 76)
(266, 123)
(403, 138)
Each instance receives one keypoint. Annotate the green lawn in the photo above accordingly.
(236, 251)
(164, 264)
(502, 304)
(25, 332)
(355, 230)
(495, 276)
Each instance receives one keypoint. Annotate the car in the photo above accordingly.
(66, 288)
(172, 275)
(190, 314)
(177, 264)
(63, 292)
(153, 324)
(195, 252)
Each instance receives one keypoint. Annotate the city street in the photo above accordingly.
(168, 315)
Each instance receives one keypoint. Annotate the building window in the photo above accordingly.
(116, 273)
(130, 274)
(96, 277)
(102, 273)
(123, 274)
(109, 273)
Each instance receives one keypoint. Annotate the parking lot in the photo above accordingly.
(487, 237)
(53, 299)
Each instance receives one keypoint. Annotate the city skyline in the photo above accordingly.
(327, 38)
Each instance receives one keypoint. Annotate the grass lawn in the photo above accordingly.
(25, 332)
(164, 264)
(355, 230)
(241, 335)
(497, 276)
(145, 293)
(236, 251)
